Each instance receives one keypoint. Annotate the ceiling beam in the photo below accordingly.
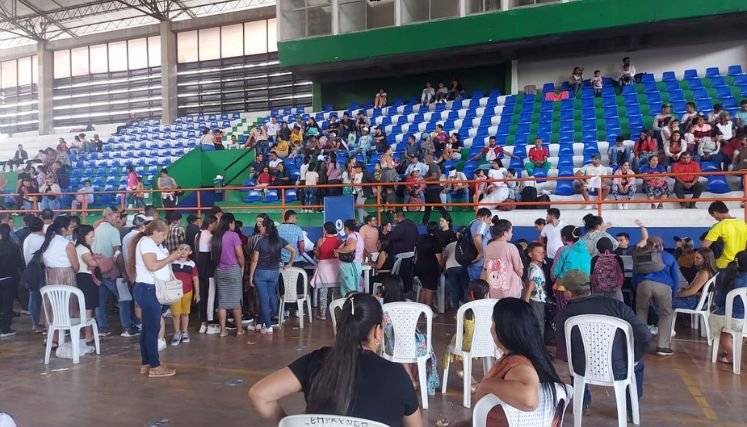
(43, 14)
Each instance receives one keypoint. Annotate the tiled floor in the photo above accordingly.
(107, 390)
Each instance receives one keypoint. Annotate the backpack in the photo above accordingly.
(465, 251)
(34, 276)
(543, 198)
(647, 260)
(528, 194)
(497, 278)
(607, 275)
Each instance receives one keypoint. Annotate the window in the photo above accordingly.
(99, 58)
(137, 54)
(232, 40)
(186, 46)
(35, 69)
(118, 56)
(24, 71)
(255, 37)
(9, 73)
(209, 43)
(61, 64)
(154, 51)
(352, 15)
(272, 35)
(79, 61)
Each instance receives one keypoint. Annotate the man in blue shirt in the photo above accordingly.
(292, 234)
(479, 230)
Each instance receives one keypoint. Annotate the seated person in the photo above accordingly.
(257, 165)
(594, 181)
(492, 152)
(281, 175)
(428, 94)
(708, 148)
(623, 184)
(282, 149)
(452, 149)
(537, 157)
(456, 91)
(733, 277)
(454, 188)
(687, 183)
(348, 379)
(644, 148)
(379, 139)
(627, 73)
(380, 99)
(656, 187)
(674, 148)
(441, 93)
(705, 264)
(414, 186)
(84, 196)
(619, 153)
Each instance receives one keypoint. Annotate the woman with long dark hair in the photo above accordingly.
(524, 375)
(84, 235)
(149, 260)
(205, 271)
(705, 263)
(11, 261)
(60, 259)
(265, 270)
(347, 379)
(428, 262)
(227, 253)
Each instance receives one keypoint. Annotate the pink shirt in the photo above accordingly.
(509, 254)
(131, 180)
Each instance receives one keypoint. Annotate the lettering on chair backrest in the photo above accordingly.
(328, 420)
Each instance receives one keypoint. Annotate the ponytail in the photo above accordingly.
(54, 229)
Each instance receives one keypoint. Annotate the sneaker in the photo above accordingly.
(9, 333)
(161, 344)
(177, 339)
(213, 329)
(139, 326)
(203, 328)
(167, 314)
(161, 371)
(132, 332)
(105, 332)
(588, 207)
(654, 329)
(663, 351)
(266, 331)
(258, 327)
(185, 337)
(144, 369)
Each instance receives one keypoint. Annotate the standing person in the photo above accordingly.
(550, 234)
(659, 287)
(60, 259)
(168, 184)
(596, 229)
(445, 234)
(205, 270)
(535, 292)
(293, 234)
(457, 279)
(227, 254)
(131, 185)
(428, 262)
(31, 244)
(265, 270)
(149, 261)
(623, 244)
(327, 274)
(607, 271)
(732, 232)
(185, 270)
(84, 236)
(359, 192)
(479, 232)
(193, 228)
(433, 190)
(503, 266)
(10, 269)
(370, 232)
(176, 236)
(403, 237)
(351, 259)
(109, 244)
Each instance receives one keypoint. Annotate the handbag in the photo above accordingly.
(169, 291)
(346, 257)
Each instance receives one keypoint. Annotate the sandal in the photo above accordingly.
(724, 360)
(240, 332)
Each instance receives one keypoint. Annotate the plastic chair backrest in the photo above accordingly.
(290, 278)
(59, 302)
(404, 317)
(704, 302)
(333, 306)
(482, 340)
(730, 297)
(598, 337)
(543, 416)
(398, 261)
(325, 421)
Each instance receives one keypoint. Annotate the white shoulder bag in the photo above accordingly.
(167, 291)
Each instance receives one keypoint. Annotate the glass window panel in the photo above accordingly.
(444, 9)
(186, 46)
(79, 61)
(34, 69)
(319, 21)
(154, 51)
(272, 35)
(61, 64)
(231, 40)
(137, 53)
(209, 43)
(99, 58)
(379, 14)
(414, 11)
(9, 76)
(118, 56)
(24, 71)
(255, 37)
(353, 15)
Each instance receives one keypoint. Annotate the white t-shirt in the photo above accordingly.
(205, 238)
(272, 129)
(274, 163)
(554, 242)
(312, 177)
(594, 172)
(146, 245)
(500, 173)
(31, 244)
(126, 245)
(82, 250)
(55, 255)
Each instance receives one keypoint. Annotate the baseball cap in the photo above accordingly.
(596, 156)
(108, 211)
(575, 280)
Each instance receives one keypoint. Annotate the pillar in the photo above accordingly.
(44, 85)
(168, 74)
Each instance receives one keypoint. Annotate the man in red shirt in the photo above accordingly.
(491, 152)
(537, 157)
(687, 183)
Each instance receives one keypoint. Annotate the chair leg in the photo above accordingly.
(714, 349)
(674, 320)
(300, 313)
(75, 342)
(423, 379)
(707, 328)
(736, 340)
(308, 305)
(95, 329)
(467, 383)
(634, 409)
(578, 399)
(281, 312)
(48, 350)
(446, 372)
(622, 416)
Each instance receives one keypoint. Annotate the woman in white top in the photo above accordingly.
(60, 260)
(83, 239)
(360, 196)
(149, 261)
(311, 177)
(205, 273)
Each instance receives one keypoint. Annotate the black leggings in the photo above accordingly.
(205, 273)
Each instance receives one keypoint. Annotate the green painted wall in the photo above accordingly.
(342, 94)
(551, 19)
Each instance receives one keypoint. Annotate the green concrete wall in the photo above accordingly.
(523, 23)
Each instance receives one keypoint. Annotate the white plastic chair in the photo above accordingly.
(736, 337)
(702, 310)
(598, 336)
(543, 416)
(404, 317)
(58, 297)
(395, 268)
(333, 306)
(482, 344)
(326, 421)
(290, 279)
(440, 292)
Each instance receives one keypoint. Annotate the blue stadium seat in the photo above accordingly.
(248, 183)
(691, 74)
(734, 70)
(564, 187)
(290, 195)
(716, 183)
(252, 197)
(540, 173)
(271, 196)
(712, 72)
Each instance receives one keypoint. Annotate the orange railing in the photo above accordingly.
(282, 205)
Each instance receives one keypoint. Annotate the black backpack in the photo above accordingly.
(528, 194)
(34, 276)
(465, 251)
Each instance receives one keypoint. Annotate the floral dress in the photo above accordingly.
(422, 344)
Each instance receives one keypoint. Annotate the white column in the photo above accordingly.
(335, 17)
(45, 82)
(168, 73)
(462, 8)
(397, 13)
(515, 76)
(505, 5)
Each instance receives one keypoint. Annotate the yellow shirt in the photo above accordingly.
(296, 138)
(733, 232)
(282, 148)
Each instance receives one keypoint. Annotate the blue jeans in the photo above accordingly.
(685, 302)
(109, 286)
(46, 203)
(408, 197)
(461, 192)
(145, 297)
(474, 270)
(266, 282)
(35, 301)
(456, 284)
(638, 370)
(310, 196)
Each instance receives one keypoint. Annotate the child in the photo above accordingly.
(139, 193)
(478, 289)
(597, 82)
(186, 271)
(85, 196)
(607, 271)
(391, 291)
(534, 291)
(480, 187)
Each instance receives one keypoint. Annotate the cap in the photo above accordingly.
(365, 129)
(575, 280)
(596, 156)
(664, 105)
(139, 220)
(108, 211)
